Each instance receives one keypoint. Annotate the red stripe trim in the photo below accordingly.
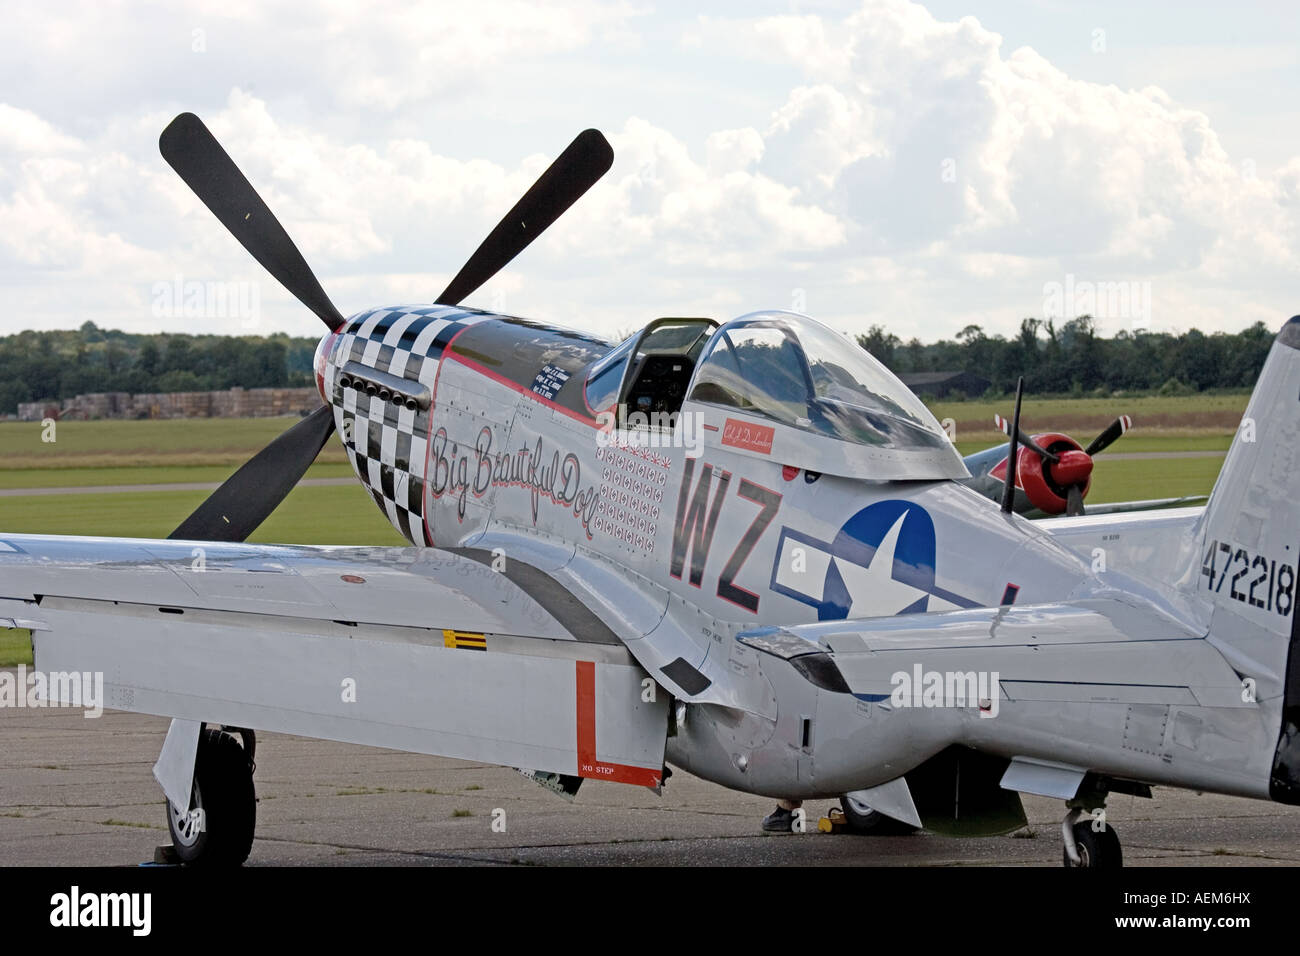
(588, 765)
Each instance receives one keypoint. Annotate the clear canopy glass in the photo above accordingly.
(794, 370)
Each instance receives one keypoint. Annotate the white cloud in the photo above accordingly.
(350, 56)
(911, 171)
(23, 133)
(932, 143)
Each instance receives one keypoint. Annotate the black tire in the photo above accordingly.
(223, 792)
(1098, 850)
(867, 822)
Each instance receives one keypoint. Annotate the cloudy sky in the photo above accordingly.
(921, 166)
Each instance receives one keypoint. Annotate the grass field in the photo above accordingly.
(345, 514)
(227, 442)
(1139, 480)
(1105, 408)
(15, 648)
(1155, 418)
(141, 475)
(208, 450)
(1134, 441)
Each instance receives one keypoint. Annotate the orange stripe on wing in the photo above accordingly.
(588, 765)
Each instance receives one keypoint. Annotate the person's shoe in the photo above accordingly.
(779, 820)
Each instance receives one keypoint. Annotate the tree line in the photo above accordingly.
(40, 366)
(1071, 358)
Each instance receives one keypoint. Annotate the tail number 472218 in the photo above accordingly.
(1251, 578)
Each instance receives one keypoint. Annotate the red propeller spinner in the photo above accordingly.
(1053, 470)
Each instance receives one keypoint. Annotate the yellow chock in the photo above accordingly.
(833, 822)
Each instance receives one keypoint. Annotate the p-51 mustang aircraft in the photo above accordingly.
(743, 549)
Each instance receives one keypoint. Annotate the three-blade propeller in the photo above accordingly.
(1070, 469)
(245, 500)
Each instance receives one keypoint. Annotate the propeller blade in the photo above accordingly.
(233, 511)
(1005, 427)
(1074, 501)
(1009, 488)
(576, 170)
(1116, 428)
(198, 158)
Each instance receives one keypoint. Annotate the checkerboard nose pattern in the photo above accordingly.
(387, 441)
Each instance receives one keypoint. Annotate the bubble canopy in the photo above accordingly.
(788, 369)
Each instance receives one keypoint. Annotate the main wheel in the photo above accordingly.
(217, 827)
(867, 822)
(1098, 850)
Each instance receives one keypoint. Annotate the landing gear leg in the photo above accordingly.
(1089, 839)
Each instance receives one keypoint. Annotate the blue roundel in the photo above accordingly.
(860, 538)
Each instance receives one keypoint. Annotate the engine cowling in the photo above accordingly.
(1045, 483)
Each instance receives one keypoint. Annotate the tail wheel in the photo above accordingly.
(867, 822)
(216, 829)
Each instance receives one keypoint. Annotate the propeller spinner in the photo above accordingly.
(1054, 471)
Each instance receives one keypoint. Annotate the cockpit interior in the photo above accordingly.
(650, 371)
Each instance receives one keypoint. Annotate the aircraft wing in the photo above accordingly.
(1124, 507)
(1099, 649)
(1126, 671)
(421, 650)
